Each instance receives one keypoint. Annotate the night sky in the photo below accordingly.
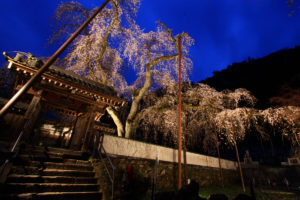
(225, 31)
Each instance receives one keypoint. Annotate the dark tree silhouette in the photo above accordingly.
(273, 80)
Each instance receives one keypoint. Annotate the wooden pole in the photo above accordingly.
(179, 135)
(220, 167)
(155, 177)
(240, 167)
(49, 62)
(219, 156)
(185, 177)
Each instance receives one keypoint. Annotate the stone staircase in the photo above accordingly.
(51, 173)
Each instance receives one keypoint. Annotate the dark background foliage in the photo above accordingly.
(274, 79)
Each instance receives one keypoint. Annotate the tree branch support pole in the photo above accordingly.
(180, 107)
(49, 62)
(240, 167)
(219, 158)
(184, 165)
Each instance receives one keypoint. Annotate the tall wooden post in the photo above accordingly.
(185, 176)
(220, 167)
(219, 156)
(180, 107)
(240, 167)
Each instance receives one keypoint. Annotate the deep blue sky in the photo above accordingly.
(225, 31)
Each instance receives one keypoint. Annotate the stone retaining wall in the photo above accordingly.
(141, 157)
(135, 149)
(167, 176)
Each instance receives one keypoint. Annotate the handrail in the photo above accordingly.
(101, 151)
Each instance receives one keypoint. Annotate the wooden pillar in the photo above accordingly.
(78, 133)
(69, 142)
(87, 130)
(81, 131)
(31, 115)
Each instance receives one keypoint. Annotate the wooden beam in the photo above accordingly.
(73, 96)
(60, 109)
(33, 106)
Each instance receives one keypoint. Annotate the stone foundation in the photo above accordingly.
(167, 175)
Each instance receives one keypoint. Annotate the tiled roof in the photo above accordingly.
(35, 63)
(76, 79)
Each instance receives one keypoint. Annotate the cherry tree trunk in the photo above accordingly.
(130, 122)
(117, 121)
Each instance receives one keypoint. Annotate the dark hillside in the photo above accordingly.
(274, 79)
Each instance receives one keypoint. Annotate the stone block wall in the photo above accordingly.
(167, 175)
(142, 157)
(135, 149)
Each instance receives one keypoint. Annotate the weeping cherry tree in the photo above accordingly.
(112, 41)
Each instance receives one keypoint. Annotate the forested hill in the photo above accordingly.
(274, 79)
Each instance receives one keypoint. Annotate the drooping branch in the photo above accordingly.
(67, 18)
(103, 47)
(115, 20)
(88, 60)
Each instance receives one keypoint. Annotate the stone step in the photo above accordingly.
(38, 153)
(63, 172)
(67, 151)
(29, 170)
(25, 158)
(18, 178)
(55, 165)
(48, 187)
(31, 149)
(76, 162)
(51, 173)
(81, 167)
(55, 195)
